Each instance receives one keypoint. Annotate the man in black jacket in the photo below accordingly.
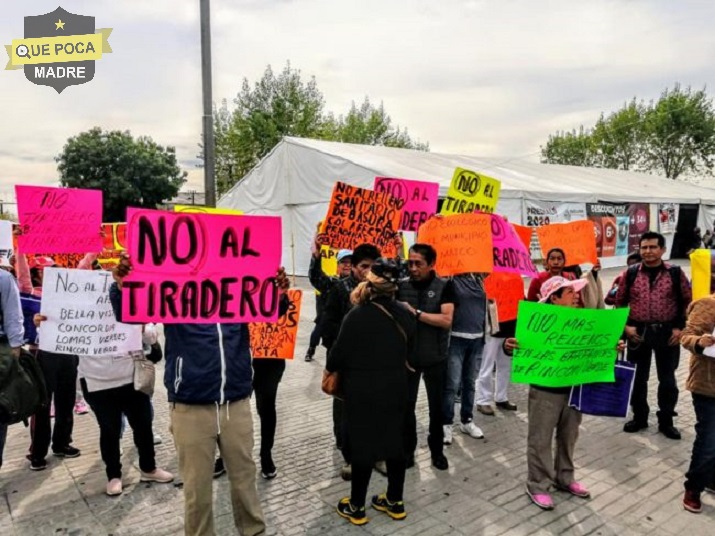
(322, 283)
(431, 300)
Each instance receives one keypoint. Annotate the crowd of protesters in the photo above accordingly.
(420, 326)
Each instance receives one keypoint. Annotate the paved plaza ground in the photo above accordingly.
(636, 480)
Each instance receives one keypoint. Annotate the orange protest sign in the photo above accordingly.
(577, 239)
(463, 243)
(507, 290)
(115, 241)
(524, 233)
(360, 216)
(277, 340)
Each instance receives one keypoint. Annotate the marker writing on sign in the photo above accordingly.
(180, 242)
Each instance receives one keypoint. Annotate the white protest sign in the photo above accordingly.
(710, 350)
(79, 315)
(5, 242)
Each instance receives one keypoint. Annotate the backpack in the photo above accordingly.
(674, 272)
(22, 387)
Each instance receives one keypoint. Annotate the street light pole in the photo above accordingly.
(208, 118)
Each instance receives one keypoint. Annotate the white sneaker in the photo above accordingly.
(157, 439)
(447, 434)
(472, 430)
(157, 475)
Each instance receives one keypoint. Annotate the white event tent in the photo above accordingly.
(296, 178)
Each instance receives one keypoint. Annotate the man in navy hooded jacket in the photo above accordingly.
(208, 379)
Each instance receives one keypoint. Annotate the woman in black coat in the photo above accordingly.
(370, 355)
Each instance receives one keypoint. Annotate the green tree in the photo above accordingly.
(573, 148)
(370, 125)
(680, 133)
(285, 105)
(672, 137)
(618, 139)
(130, 172)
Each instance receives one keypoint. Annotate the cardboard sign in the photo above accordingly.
(577, 239)
(359, 216)
(80, 319)
(6, 242)
(565, 346)
(419, 199)
(114, 242)
(201, 268)
(702, 266)
(463, 243)
(278, 340)
(525, 234)
(193, 209)
(59, 220)
(507, 290)
(510, 253)
(471, 192)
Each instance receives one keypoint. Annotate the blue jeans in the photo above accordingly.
(701, 473)
(3, 435)
(463, 364)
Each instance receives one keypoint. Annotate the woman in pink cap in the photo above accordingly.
(548, 411)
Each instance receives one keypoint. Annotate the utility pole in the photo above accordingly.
(209, 148)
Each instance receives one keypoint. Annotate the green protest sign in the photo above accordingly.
(564, 346)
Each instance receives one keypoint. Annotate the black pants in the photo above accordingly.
(267, 374)
(434, 376)
(667, 359)
(315, 334)
(108, 406)
(60, 372)
(361, 480)
(701, 473)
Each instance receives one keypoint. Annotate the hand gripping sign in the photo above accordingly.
(59, 49)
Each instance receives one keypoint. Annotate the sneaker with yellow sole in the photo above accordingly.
(396, 510)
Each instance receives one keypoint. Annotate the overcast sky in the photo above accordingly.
(479, 77)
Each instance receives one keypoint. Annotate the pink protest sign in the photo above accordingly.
(59, 220)
(510, 254)
(201, 268)
(419, 199)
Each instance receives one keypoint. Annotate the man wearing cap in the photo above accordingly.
(549, 410)
(336, 307)
(322, 283)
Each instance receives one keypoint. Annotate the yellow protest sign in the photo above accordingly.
(470, 192)
(702, 267)
(193, 209)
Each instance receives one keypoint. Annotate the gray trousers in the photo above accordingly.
(549, 412)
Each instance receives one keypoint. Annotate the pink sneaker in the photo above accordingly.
(578, 489)
(542, 500)
(80, 407)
